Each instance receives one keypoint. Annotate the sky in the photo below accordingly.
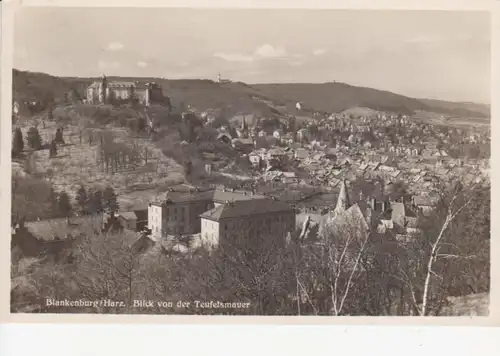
(424, 54)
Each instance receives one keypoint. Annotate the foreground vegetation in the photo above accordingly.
(341, 274)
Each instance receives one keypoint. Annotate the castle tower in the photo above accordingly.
(343, 202)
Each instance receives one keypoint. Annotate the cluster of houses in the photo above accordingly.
(418, 160)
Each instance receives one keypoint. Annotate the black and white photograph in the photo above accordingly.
(250, 162)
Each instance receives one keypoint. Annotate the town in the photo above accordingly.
(241, 180)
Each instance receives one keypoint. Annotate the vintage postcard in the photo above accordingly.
(248, 162)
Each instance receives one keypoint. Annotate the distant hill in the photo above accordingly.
(259, 99)
(458, 108)
(30, 86)
(336, 97)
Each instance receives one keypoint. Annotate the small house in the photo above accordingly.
(128, 220)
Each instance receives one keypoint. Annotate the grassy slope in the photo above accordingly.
(460, 109)
(259, 98)
(336, 97)
(76, 161)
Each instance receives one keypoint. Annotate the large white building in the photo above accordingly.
(104, 91)
(178, 211)
(241, 222)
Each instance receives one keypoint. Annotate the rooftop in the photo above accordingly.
(59, 229)
(129, 215)
(215, 195)
(245, 208)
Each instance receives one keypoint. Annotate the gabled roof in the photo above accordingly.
(54, 229)
(128, 215)
(223, 134)
(276, 151)
(183, 197)
(423, 201)
(220, 196)
(353, 215)
(343, 201)
(242, 141)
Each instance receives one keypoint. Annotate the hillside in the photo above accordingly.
(259, 99)
(459, 109)
(337, 97)
(28, 86)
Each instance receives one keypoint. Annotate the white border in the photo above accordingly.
(356, 4)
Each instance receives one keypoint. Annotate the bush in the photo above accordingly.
(34, 139)
(30, 197)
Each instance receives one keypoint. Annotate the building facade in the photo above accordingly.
(178, 212)
(104, 91)
(241, 222)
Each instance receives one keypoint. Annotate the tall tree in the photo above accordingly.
(34, 139)
(53, 149)
(82, 199)
(450, 255)
(112, 224)
(17, 142)
(64, 204)
(59, 136)
(188, 168)
(95, 202)
(141, 124)
(110, 202)
(50, 113)
(53, 204)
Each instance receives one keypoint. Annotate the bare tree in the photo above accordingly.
(440, 242)
(108, 267)
(344, 242)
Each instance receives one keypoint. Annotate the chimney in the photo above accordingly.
(373, 204)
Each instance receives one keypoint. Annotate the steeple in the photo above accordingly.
(244, 126)
(343, 202)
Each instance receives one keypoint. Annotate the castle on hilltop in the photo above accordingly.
(104, 91)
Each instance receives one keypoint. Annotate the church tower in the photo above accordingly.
(244, 126)
(343, 202)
